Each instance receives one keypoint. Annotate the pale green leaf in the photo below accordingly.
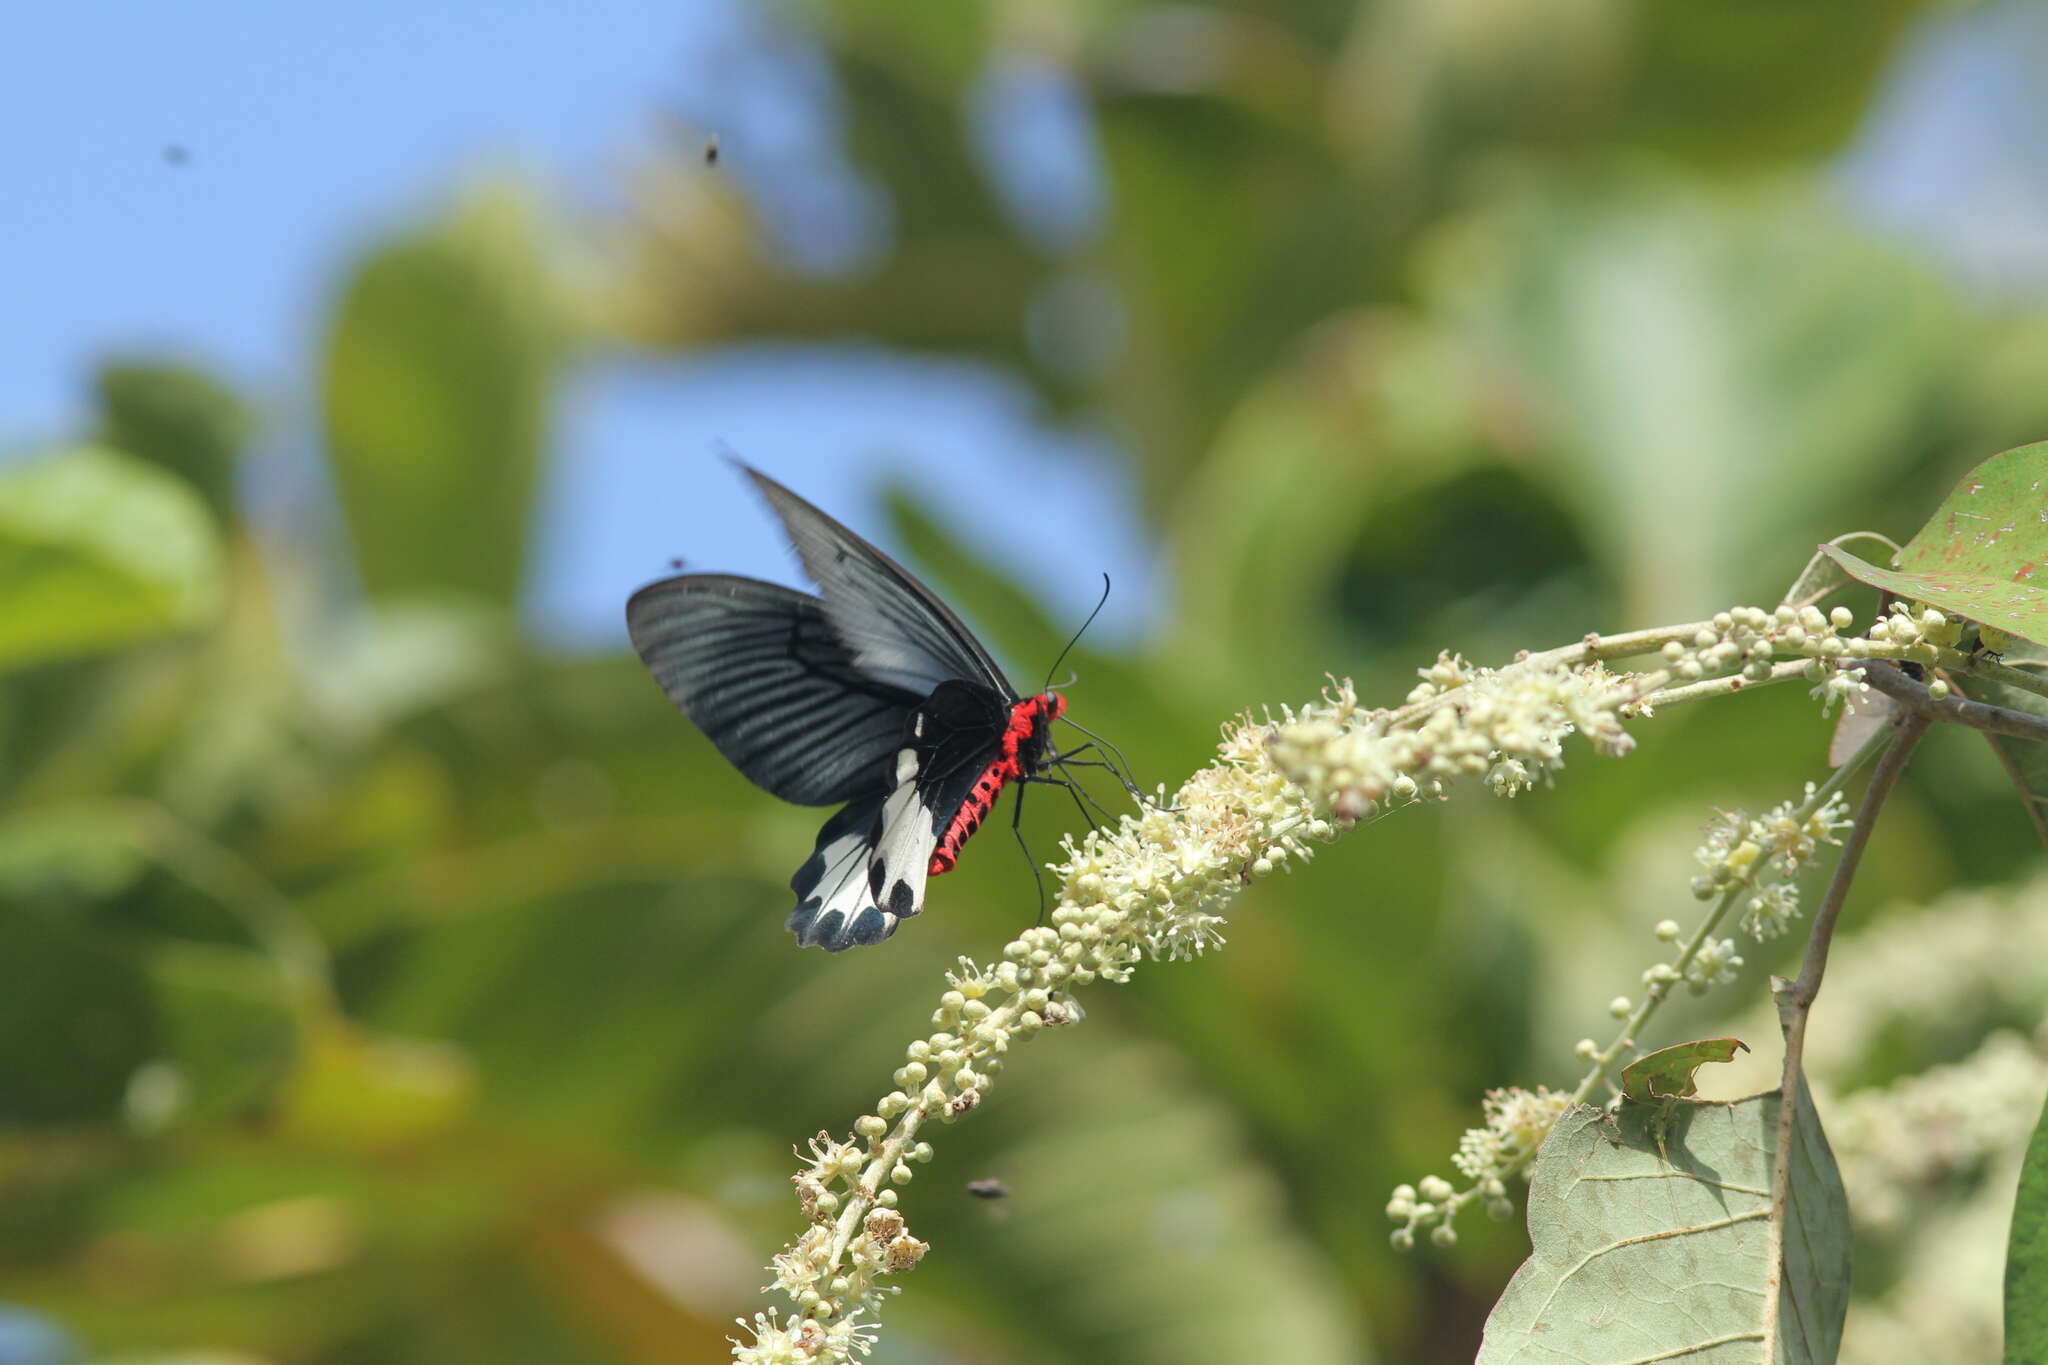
(437, 380)
(2026, 1266)
(1142, 1223)
(1640, 1256)
(227, 1019)
(98, 549)
(1984, 553)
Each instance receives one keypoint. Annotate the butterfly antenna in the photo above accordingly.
(1077, 635)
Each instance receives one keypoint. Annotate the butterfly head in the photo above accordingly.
(1038, 713)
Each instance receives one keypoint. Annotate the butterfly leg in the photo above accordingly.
(1121, 768)
(1082, 799)
(1017, 828)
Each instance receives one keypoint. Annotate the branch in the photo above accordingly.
(1795, 1002)
(1916, 700)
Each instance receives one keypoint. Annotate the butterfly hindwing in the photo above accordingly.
(868, 871)
(953, 737)
(834, 908)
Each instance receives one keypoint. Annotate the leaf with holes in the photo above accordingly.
(1639, 1255)
(1984, 553)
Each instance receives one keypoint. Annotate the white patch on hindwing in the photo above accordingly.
(903, 851)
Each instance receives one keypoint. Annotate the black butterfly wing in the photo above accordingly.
(768, 679)
(896, 629)
(872, 693)
(868, 872)
(834, 908)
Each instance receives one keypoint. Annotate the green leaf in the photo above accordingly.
(86, 850)
(98, 549)
(1668, 1071)
(2026, 764)
(1641, 1258)
(1979, 554)
(228, 1021)
(75, 1022)
(1748, 340)
(437, 381)
(1141, 1226)
(180, 418)
(1727, 85)
(2026, 1261)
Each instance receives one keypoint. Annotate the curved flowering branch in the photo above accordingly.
(1157, 886)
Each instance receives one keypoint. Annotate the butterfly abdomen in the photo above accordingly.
(1025, 740)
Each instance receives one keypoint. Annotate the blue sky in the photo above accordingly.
(189, 178)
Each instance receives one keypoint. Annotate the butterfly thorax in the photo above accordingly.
(1026, 740)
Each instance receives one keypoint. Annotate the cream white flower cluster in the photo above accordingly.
(1517, 1121)
(1155, 885)
(1747, 638)
(1760, 858)
(1506, 726)
(1746, 641)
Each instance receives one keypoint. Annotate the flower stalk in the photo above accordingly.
(1157, 886)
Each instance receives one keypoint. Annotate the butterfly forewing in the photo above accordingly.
(895, 627)
(765, 677)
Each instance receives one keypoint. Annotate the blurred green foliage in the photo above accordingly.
(383, 989)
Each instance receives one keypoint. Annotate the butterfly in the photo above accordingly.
(872, 694)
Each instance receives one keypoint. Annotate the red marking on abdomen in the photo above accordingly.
(1007, 766)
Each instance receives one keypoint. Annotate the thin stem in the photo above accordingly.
(1795, 1003)
(1655, 995)
(1911, 727)
(1722, 686)
(1594, 648)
